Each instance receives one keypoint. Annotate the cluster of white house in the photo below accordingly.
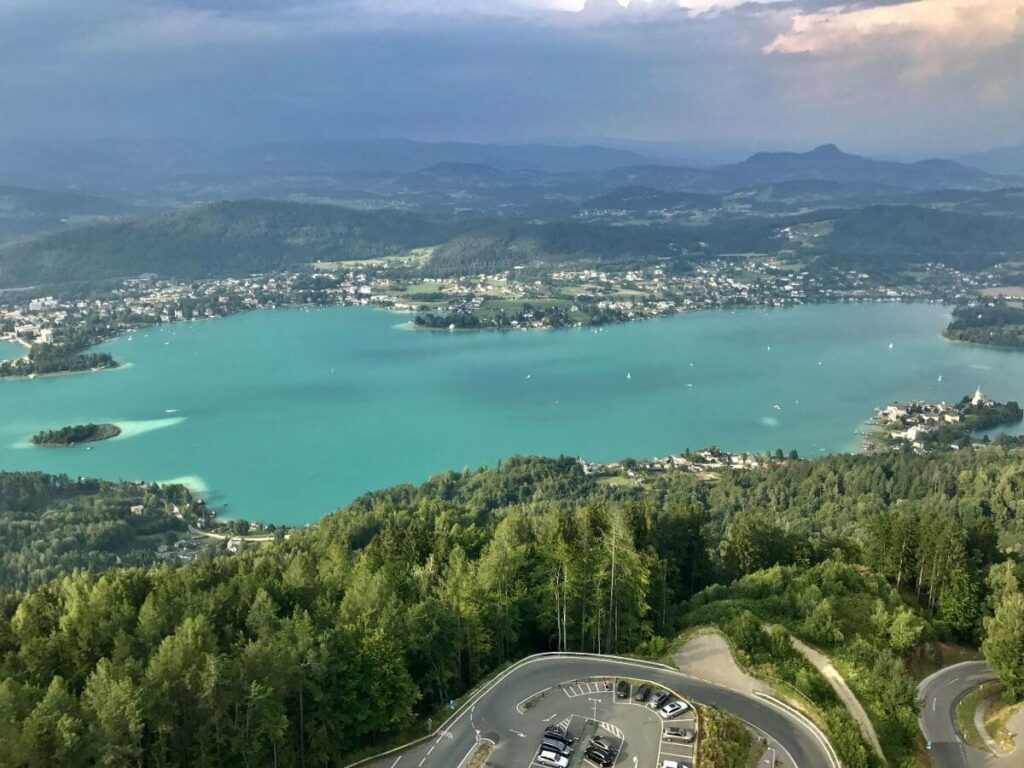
(912, 421)
(698, 461)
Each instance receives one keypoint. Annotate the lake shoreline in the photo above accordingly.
(318, 407)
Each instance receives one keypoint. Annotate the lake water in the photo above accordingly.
(9, 350)
(285, 415)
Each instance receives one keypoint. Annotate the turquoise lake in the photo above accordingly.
(9, 350)
(285, 415)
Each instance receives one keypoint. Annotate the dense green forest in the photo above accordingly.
(410, 595)
(51, 525)
(881, 239)
(998, 324)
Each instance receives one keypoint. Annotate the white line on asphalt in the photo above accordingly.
(519, 706)
(396, 761)
(489, 685)
(806, 722)
(472, 749)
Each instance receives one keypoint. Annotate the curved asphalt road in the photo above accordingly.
(492, 714)
(939, 694)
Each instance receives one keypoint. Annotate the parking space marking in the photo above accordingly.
(585, 688)
(614, 730)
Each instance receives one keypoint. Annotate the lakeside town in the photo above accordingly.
(922, 426)
(71, 322)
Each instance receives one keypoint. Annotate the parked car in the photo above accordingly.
(673, 709)
(553, 759)
(659, 699)
(602, 743)
(674, 764)
(601, 758)
(559, 733)
(685, 735)
(642, 693)
(556, 746)
(622, 690)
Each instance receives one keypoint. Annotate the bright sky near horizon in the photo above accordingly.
(875, 75)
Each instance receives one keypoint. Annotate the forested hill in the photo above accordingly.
(894, 237)
(223, 239)
(243, 237)
(313, 649)
(51, 525)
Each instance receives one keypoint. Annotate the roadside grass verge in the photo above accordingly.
(999, 712)
(724, 740)
(965, 714)
(479, 757)
(995, 718)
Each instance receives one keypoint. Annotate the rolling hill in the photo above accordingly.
(25, 212)
(222, 239)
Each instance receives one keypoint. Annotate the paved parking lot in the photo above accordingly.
(512, 711)
(589, 708)
(669, 747)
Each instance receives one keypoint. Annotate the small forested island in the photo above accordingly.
(998, 324)
(74, 435)
(930, 426)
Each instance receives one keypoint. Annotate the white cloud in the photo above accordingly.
(918, 25)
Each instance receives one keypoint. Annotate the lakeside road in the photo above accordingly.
(939, 694)
(493, 714)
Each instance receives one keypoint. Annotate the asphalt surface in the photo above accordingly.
(492, 714)
(939, 694)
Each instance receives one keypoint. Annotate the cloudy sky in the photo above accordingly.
(880, 76)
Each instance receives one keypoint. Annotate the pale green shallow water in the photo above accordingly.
(288, 414)
(9, 350)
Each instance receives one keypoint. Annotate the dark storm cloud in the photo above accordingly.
(757, 73)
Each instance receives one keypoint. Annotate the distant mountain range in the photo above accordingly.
(1004, 160)
(824, 163)
(130, 167)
